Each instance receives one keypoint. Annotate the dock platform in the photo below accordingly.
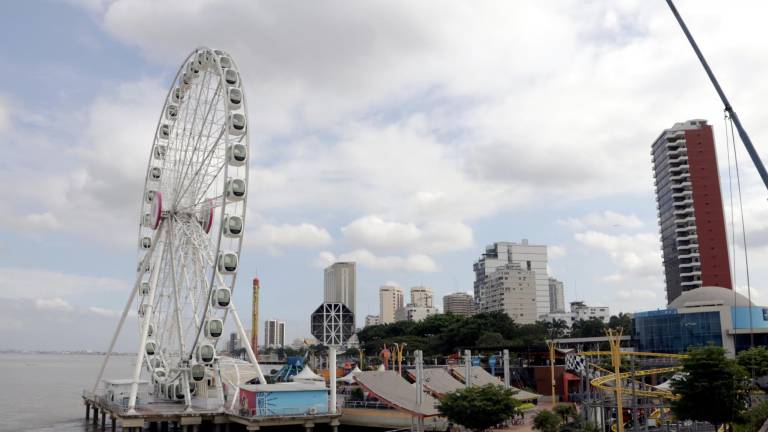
(169, 416)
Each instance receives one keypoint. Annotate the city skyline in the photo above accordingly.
(407, 164)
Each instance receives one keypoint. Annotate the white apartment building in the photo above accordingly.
(372, 320)
(529, 257)
(422, 296)
(512, 290)
(579, 311)
(461, 304)
(274, 333)
(340, 284)
(390, 300)
(412, 312)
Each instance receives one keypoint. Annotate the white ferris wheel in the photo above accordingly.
(191, 227)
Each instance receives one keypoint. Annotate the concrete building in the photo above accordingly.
(233, 344)
(579, 311)
(690, 209)
(699, 317)
(340, 284)
(528, 257)
(512, 290)
(461, 304)
(274, 333)
(390, 300)
(411, 312)
(372, 320)
(556, 296)
(422, 296)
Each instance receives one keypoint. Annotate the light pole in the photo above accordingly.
(399, 356)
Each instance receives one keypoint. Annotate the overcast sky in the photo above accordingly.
(403, 135)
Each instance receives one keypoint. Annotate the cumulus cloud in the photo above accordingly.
(56, 304)
(278, 237)
(637, 255)
(363, 257)
(376, 233)
(606, 219)
(31, 283)
(556, 251)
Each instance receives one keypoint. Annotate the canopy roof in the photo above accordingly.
(307, 375)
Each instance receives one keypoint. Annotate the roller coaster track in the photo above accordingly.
(645, 390)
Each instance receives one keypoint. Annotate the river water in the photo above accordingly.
(42, 392)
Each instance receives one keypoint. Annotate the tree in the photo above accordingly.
(546, 421)
(565, 411)
(623, 321)
(755, 417)
(714, 388)
(754, 361)
(592, 327)
(479, 408)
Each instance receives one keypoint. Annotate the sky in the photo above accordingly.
(405, 136)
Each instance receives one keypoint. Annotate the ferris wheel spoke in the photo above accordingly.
(206, 160)
(185, 163)
(191, 127)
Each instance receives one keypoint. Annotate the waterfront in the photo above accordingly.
(43, 390)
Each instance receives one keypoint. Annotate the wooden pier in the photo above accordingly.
(168, 416)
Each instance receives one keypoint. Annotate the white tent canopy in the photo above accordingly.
(307, 376)
(350, 377)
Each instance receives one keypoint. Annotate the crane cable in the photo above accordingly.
(743, 230)
(730, 197)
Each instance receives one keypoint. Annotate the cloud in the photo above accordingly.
(373, 232)
(56, 304)
(113, 313)
(556, 251)
(636, 294)
(606, 219)
(413, 263)
(34, 283)
(5, 116)
(635, 255)
(278, 237)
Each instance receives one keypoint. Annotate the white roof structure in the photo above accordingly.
(709, 296)
(392, 389)
(350, 377)
(481, 377)
(307, 376)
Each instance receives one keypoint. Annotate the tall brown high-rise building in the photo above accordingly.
(690, 208)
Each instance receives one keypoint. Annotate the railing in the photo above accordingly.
(282, 412)
(367, 404)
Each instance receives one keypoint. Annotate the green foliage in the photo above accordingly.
(565, 411)
(592, 327)
(622, 321)
(754, 361)
(754, 418)
(547, 421)
(479, 408)
(714, 388)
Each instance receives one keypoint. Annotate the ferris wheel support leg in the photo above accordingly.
(248, 348)
(125, 314)
(144, 332)
(177, 314)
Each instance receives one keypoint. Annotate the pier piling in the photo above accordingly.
(87, 411)
(103, 420)
(95, 415)
(114, 423)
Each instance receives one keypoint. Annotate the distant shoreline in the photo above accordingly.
(94, 353)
